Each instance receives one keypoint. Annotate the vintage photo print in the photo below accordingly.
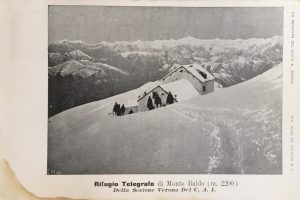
(164, 90)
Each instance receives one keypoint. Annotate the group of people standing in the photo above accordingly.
(120, 110)
(157, 100)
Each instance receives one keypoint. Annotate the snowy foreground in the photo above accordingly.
(231, 131)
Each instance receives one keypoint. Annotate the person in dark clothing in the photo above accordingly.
(122, 110)
(115, 109)
(118, 109)
(157, 99)
(158, 102)
(170, 98)
(130, 112)
(150, 104)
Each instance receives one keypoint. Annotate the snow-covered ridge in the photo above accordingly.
(82, 68)
(79, 53)
(159, 44)
(188, 39)
(140, 53)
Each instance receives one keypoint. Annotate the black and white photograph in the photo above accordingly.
(164, 90)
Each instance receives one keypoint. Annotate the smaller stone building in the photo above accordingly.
(143, 100)
(181, 90)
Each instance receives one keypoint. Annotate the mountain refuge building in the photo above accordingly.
(182, 83)
(200, 78)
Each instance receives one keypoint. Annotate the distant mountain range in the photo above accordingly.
(80, 73)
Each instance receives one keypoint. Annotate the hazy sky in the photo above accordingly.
(97, 23)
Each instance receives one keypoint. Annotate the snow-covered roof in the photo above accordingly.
(148, 91)
(196, 70)
(182, 89)
(146, 88)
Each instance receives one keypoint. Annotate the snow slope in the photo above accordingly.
(82, 68)
(79, 55)
(181, 89)
(233, 130)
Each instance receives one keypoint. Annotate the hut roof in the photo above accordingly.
(149, 91)
(144, 89)
(196, 70)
